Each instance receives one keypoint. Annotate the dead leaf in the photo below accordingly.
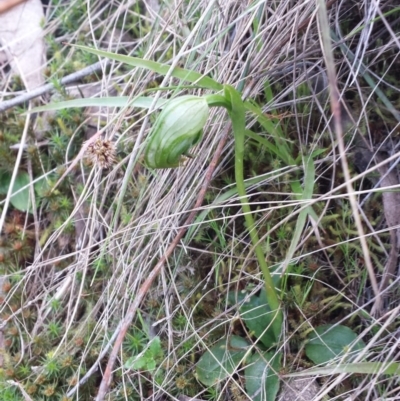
(21, 36)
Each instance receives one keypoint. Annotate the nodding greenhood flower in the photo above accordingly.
(178, 128)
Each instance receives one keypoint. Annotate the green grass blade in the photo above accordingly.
(359, 368)
(114, 101)
(120, 101)
(274, 130)
(361, 27)
(309, 178)
(162, 69)
(270, 146)
(296, 188)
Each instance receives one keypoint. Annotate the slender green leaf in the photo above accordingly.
(162, 69)
(268, 93)
(392, 368)
(270, 146)
(273, 129)
(370, 22)
(117, 101)
(298, 193)
(309, 178)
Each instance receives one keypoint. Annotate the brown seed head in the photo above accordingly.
(101, 152)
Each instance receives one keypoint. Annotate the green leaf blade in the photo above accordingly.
(390, 369)
(120, 101)
(20, 200)
(329, 342)
(261, 375)
(221, 360)
(162, 69)
(258, 317)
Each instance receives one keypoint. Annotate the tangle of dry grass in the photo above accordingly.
(237, 43)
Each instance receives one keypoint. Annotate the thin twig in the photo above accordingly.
(75, 76)
(107, 377)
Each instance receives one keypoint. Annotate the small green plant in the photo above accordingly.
(261, 364)
(134, 342)
(224, 358)
(149, 359)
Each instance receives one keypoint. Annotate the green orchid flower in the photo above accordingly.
(177, 129)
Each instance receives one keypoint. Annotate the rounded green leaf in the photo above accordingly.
(261, 375)
(20, 200)
(258, 317)
(221, 360)
(328, 342)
